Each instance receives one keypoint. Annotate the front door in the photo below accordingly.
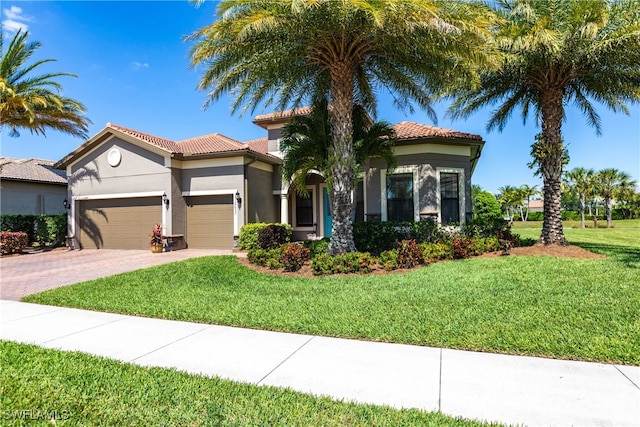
(326, 214)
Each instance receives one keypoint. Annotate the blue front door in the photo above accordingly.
(327, 212)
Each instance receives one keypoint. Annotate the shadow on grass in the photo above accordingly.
(629, 256)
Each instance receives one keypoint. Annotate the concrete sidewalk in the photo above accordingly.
(509, 389)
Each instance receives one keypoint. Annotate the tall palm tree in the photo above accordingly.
(306, 144)
(558, 52)
(581, 182)
(289, 51)
(609, 183)
(32, 102)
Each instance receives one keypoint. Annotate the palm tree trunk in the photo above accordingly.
(551, 166)
(607, 204)
(582, 203)
(341, 158)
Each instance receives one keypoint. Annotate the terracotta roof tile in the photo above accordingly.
(259, 145)
(162, 143)
(212, 143)
(271, 117)
(36, 170)
(410, 130)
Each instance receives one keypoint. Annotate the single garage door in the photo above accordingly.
(210, 222)
(118, 223)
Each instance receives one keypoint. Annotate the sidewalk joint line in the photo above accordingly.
(85, 330)
(287, 358)
(33, 315)
(171, 343)
(624, 375)
(440, 384)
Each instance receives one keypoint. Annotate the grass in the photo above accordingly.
(79, 389)
(542, 306)
(627, 223)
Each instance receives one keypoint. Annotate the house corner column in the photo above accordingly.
(284, 208)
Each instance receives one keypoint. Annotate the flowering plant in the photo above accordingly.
(156, 235)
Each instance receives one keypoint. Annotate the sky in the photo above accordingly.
(132, 65)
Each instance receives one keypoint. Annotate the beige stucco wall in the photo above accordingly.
(29, 198)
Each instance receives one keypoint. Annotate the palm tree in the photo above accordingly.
(609, 183)
(581, 182)
(526, 192)
(510, 198)
(290, 52)
(557, 52)
(31, 102)
(306, 140)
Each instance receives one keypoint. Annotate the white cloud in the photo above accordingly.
(15, 19)
(139, 65)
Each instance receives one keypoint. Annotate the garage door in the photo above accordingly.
(210, 222)
(118, 223)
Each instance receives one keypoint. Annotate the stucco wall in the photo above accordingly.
(139, 171)
(213, 178)
(28, 198)
(261, 203)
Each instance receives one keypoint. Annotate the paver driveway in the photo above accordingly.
(29, 274)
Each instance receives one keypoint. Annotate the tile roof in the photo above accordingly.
(274, 117)
(260, 145)
(162, 143)
(212, 143)
(410, 130)
(34, 170)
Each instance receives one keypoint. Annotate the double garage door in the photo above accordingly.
(127, 223)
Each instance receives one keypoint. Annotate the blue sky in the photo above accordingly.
(132, 66)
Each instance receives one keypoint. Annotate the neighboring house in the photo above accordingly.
(31, 186)
(536, 206)
(123, 181)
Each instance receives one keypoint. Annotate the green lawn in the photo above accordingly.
(79, 389)
(546, 306)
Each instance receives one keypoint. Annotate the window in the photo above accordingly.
(304, 210)
(400, 197)
(449, 198)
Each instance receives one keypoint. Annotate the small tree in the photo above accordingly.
(610, 183)
(486, 207)
(581, 182)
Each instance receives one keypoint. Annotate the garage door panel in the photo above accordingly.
(210, 222)
(118, 223)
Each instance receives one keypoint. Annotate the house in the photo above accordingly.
(31, 187)
(204, 189)
(536, 205)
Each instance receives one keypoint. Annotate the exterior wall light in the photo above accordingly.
(238, 199)
(165, 200)
(66, 204)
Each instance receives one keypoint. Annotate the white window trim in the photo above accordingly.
(461, 192)
(314, 209)
(413, 169)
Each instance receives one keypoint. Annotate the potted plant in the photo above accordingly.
(156, 239)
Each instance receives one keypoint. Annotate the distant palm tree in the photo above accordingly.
(526, 192)
(609, 183)
(509, 198)
(32, 102)
(306, 144)
(557, 52)
(290, 52)
(581, 182)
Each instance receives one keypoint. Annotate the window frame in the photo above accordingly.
(400, 170)
(313, 196)
(461, 192)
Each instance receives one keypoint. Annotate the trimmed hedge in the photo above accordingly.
(13, 242)
(249, 238)
(50, 230)
(377, 237)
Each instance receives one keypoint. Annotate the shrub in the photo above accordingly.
(45, 229)
(248, 239)
(535, 216)
(264, 258)
(294, 256)
(484, 227)
(317, 247)
(484, 244)
(389, 260)
(486, 207)
(13, 242)
(377, 237)
(352, 262)
(508, 240)
(436, 251)
(409, 254)
(274, 235)
(461, 247)
(571, 216)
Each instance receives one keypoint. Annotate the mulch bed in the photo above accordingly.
(569, 251)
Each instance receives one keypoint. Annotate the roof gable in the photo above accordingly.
(31, 170)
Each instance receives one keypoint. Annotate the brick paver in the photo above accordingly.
(29, 274)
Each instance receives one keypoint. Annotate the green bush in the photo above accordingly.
(432, 252)
(266, 258)
(535, 216)
(486, 207)
(352, 262)
(45, 229)
(377, 237)
(274, 235)
(571, 216)
(484, 244)
(317, 247)
(388, 260)
(294, 256)
(484, 227)
(13, 242)
(248, 239)
(461, 247)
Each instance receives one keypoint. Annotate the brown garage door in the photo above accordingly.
(210, 222)
(118, 223)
